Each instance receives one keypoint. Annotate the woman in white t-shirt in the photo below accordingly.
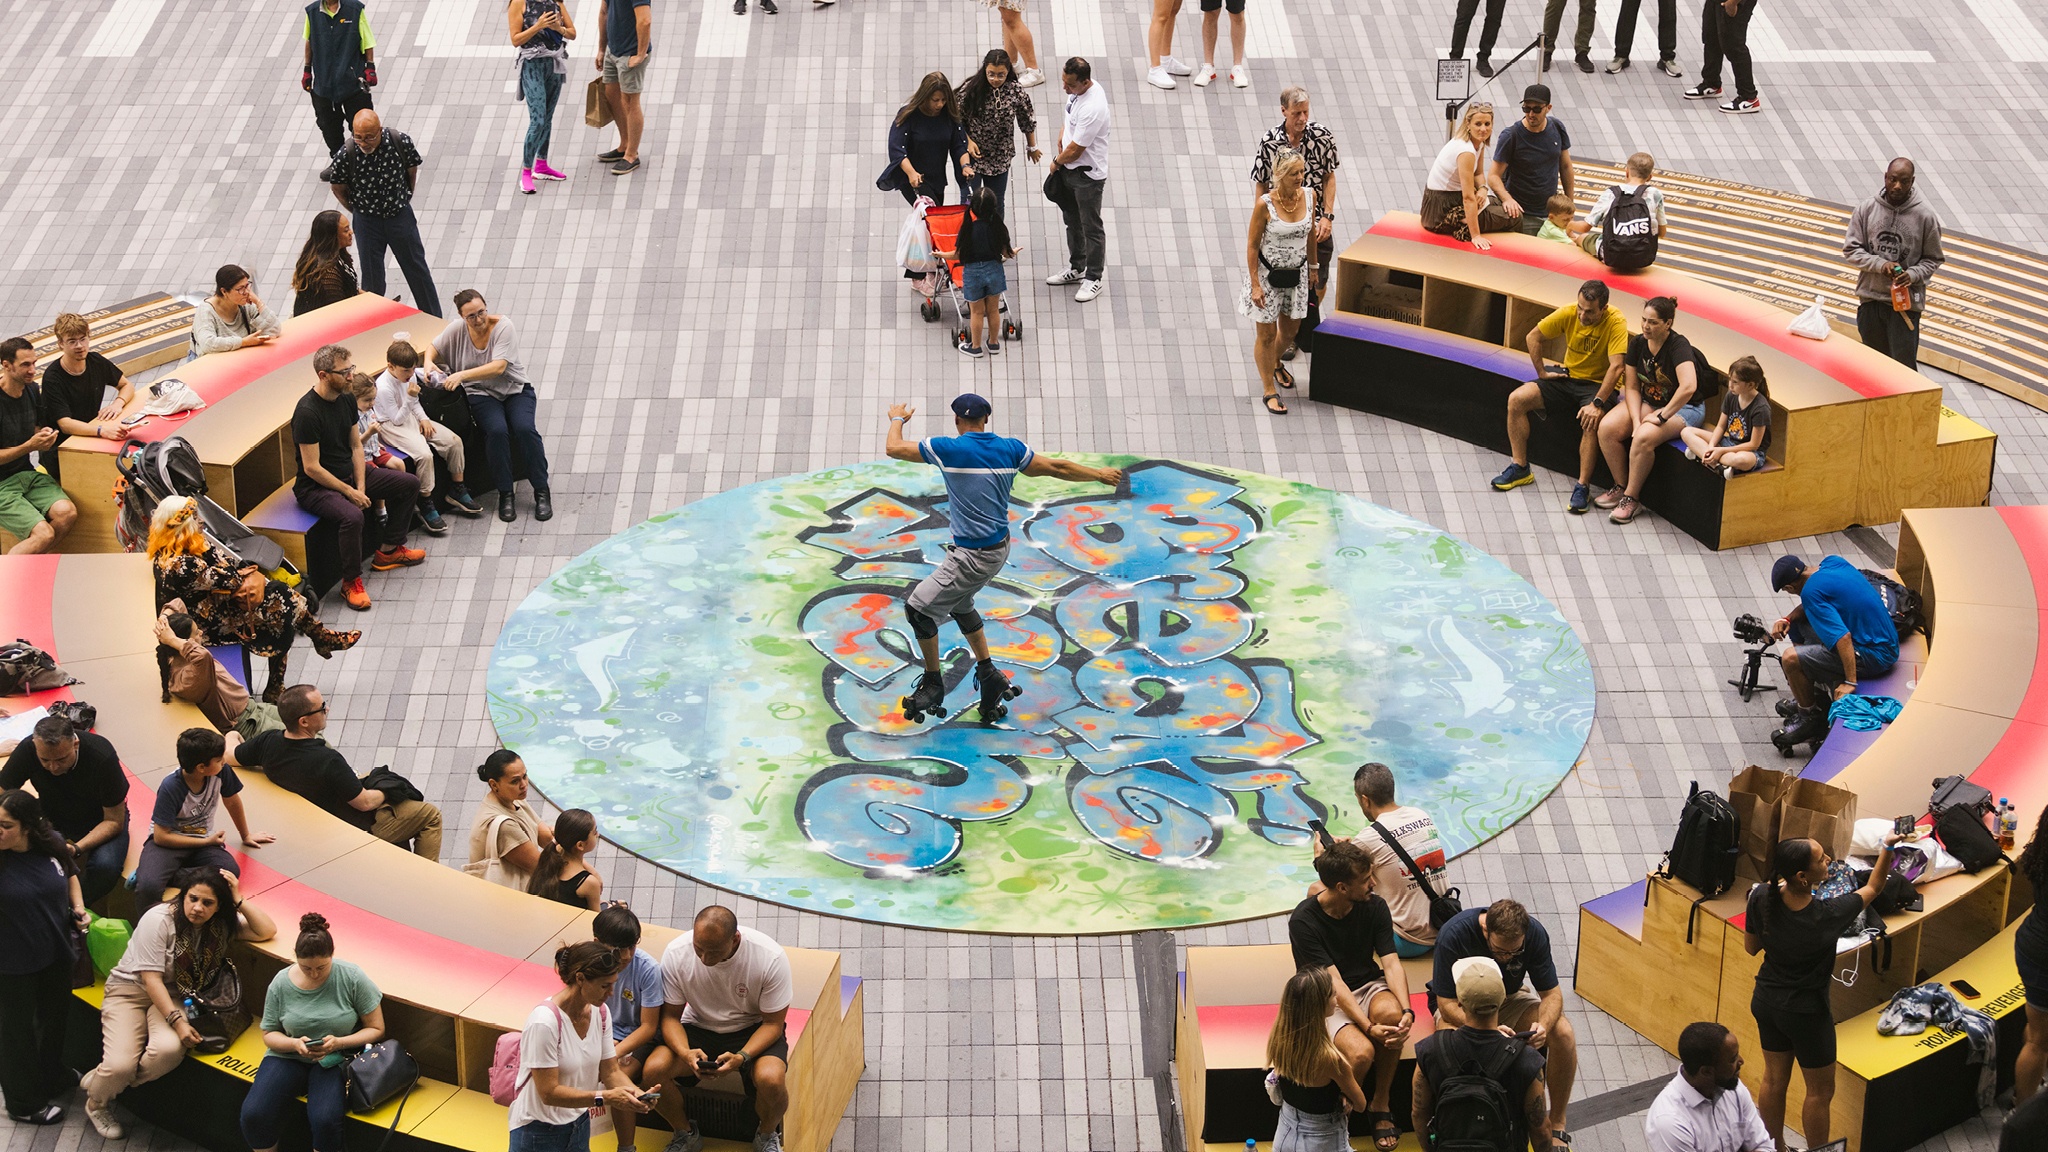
(567, 1063)
(1454, 196)
(178, 948)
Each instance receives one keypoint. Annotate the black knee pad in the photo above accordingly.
(969, 622)
(924, 626)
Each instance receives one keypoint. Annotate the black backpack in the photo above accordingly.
(1704, 853)
(1473, 1112)
(1900, 602)
(1628, 233)
(1962, 831)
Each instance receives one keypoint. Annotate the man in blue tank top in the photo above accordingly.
(978, 467)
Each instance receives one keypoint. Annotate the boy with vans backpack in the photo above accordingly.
(1476, 1090)
(1625, 224)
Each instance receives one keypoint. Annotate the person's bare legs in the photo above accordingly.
(771, 1092)
(1816, 1111)
(1358, 1052)
(1697, 439)
(1266, 356)
(976, 321)
(55, 523)
(1612, 435)
(1236, 37)
(992, 321)
(1642, 450)
(2033, 1059)
(1560, 1069)
(1384, 1009)
(615, 97)
(1017, 39)
(928, 647)
(633, 122)
(1522, 402)
(1209, 36)
(1770, 1097)
(1159, 37)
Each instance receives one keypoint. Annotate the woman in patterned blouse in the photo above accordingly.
(231, 600)
(990, 101)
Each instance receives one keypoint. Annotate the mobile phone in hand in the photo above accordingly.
(1322, 832)
(650, 1095)
(1905, 826)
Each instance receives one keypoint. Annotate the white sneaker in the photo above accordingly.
(1063, 276)
(1206, 76)
(1158, 78)
(1089, 290)
(1240, 76)
(1030, 78)
(1176, 67)
(103, 1121)
(768, 1141)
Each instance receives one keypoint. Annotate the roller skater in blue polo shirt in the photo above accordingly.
(979, 468)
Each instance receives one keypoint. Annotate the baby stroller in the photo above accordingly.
(942, 227)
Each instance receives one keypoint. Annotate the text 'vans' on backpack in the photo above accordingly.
(1473, 1112)
(1628, 233)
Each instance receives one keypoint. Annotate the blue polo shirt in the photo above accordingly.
(1839, 600)
(979, 469)
(1461, 936)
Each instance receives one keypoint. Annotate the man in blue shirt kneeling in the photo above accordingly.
(1841, 632)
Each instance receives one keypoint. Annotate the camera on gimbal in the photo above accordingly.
(1751, 631)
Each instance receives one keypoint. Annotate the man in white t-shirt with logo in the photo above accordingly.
(728, 994)
(1414, 935)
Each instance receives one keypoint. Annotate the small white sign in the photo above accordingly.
(1453, 80)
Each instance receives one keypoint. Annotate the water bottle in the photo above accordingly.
(191, 1010)
(1250, 1144)
(2008, 824)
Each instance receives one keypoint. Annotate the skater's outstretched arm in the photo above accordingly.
(1043, 465)
(899, 448)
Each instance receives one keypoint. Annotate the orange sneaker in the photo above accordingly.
(386, 559)
(357, 597)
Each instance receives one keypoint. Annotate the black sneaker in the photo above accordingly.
(769, 7)
(739, 7)
(430, 519)
(458, 496)
(1583, 61)
(1702, 91)
(1484, 67)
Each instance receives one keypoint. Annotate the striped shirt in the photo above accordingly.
(979, 469)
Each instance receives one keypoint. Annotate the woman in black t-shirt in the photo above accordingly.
(1660, 380)
(2030, 953)
(1310, 1080)
(1796, 931)
(325, 273)
(40, 907)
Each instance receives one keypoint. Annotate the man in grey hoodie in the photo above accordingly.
(1893, 238)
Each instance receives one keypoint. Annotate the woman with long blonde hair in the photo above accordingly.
(1310, 1080)
(231, 600)
(1279, 276)
(1456, 194)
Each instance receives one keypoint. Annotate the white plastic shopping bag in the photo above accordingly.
(1812, 323)
(914, 243)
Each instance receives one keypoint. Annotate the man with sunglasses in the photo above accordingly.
(1505, 933)
(298, 760)
(1531, 158)
(334, 482)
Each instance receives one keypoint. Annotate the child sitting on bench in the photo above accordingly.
(403, 424)
(1737, 440)
(181, 833)
(377, 455)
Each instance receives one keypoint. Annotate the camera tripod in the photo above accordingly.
(1752, 667)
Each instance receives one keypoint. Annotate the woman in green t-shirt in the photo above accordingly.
(316, 1012)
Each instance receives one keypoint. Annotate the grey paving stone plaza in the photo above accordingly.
(732, 312)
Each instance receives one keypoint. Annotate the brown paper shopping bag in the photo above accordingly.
(596, 111)
(1755, 793)
(1821, 812)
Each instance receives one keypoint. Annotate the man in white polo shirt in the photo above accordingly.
(1079, 171)
(728, 994)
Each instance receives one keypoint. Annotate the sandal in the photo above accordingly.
(1274, 405)
(1386, 1135)
(1283, 377)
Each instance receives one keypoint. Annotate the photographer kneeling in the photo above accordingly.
(1840, 632)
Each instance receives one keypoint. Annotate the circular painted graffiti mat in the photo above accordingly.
(1205, 658)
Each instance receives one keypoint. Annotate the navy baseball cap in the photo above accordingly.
(968, 406)
(1784, 571)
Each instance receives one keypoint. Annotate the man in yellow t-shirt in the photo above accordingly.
(1595, 340)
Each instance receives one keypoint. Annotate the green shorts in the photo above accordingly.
(25, 499)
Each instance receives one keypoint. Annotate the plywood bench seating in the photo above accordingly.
(1855, 437)
(1987, 310)
(1979, 708)
(1228, 1000)
(136, 335)
(243, 435)
(311, 544)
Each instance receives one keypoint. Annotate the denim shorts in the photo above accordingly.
(1694, 415)
(1732, 442)
(982, 279)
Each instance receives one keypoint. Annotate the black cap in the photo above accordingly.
(1785, 571)
(1536, 94)
(968, 406)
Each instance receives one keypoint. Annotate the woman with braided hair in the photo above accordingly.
(230, 599)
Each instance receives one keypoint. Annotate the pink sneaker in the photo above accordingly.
(544, 171)
(526, 181)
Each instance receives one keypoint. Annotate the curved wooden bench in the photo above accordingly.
(1979, 708)
(243, 435)
(1986, 318)
(460, 961)
(1856, 437)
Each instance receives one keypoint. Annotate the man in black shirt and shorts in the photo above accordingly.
(1348, 930)
(75, 388)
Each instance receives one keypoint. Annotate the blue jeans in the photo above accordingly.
(542, 87)
(279, 1081)
(104, 867)
(501, 421)
(400, 234)
(999, 184)
(1310, 1131)
(535, 1136)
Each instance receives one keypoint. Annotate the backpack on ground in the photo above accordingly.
(1705, 851)
(1473, 1112)
(1900, 602)
(1628, 233)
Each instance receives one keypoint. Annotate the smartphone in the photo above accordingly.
(707, 1065)
(1322, 832)
(1905, 826)
(1968, 991)
(650, 1096)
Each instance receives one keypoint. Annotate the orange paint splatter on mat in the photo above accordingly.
(870, 607)
(1126, 828)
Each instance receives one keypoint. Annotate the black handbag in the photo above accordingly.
(377, 1073)
(216, 1011)
(1282, 277)
(83, 974)
(1441, 907)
